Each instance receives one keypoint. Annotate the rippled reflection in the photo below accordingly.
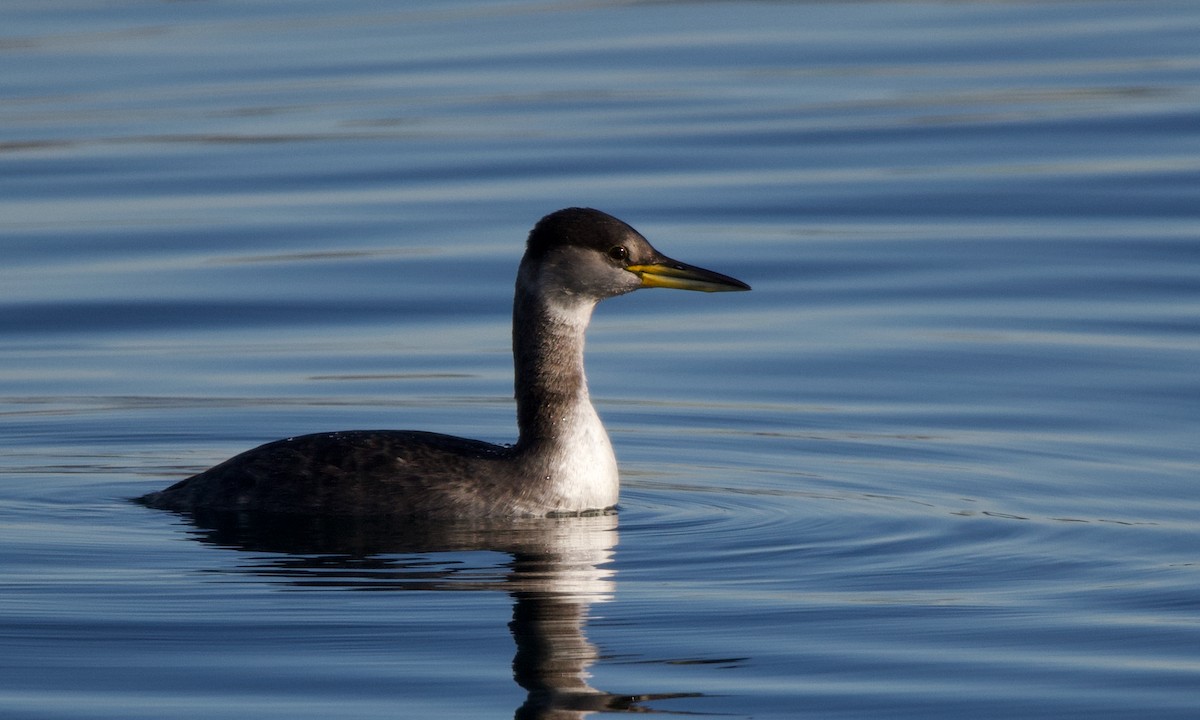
(558, 568)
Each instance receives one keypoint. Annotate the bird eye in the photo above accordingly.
(618, 252)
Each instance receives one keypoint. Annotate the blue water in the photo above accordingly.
(942, 462)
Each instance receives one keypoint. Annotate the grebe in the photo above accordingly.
(562, 462)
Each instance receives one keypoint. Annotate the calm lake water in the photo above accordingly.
(942, 462)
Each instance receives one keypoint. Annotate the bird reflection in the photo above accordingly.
(558, 569)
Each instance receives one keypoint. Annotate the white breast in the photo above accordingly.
(583, 467)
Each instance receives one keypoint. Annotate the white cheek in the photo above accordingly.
(570, 311)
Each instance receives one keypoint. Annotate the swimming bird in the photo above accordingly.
(562, 462)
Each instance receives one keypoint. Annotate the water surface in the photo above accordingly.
(940, 463)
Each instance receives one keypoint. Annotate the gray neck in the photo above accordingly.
(564, 454)
(548, 338)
